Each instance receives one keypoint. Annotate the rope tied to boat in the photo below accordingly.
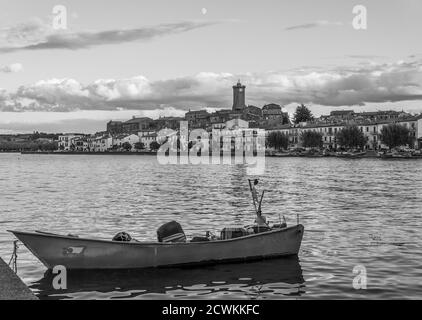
(13, 262)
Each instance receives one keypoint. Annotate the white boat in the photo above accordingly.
(73, 252)
(79, 253)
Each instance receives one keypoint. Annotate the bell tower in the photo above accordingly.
(239, 97)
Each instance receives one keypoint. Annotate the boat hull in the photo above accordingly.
(78, 253)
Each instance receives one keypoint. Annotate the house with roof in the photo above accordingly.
(136, 124)
(66, 142)
(121, 139)
(101, 143)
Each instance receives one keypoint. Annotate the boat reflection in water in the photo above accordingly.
(276, 278)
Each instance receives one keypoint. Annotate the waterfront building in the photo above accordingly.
(101, 143)
(148, 139)
(119, 140)
(67, 142)
(81, 144)
(371, 130)
(272, 118)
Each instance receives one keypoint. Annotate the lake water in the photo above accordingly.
(363, 212)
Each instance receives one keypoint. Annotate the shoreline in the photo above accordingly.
(141, 153)
(370, 155)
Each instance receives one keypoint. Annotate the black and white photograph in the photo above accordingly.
(208, 150)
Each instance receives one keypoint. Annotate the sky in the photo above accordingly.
(116, 59)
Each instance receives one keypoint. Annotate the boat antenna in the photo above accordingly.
(260, 202)
(257, 203)
(253, 192)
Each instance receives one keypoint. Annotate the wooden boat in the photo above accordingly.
(80, 253)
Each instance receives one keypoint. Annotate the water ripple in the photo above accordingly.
(364, 212)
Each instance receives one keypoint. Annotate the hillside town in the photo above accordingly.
(140, 133)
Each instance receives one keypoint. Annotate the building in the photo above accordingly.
(136, 124)
(146, 138)
(115, 127)
(252, 113)
(271, 111)
(239, 91)
(274, 111)
(382, 115)
(371, 130)
(120, 140)
(67, 141)
(167, 123)
(131, 126)
(101, 143)
(198, 119)
(342, 114)
(81, 144)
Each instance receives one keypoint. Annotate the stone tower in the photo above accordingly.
(239, 97)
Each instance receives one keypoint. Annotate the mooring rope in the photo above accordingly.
(13, 262)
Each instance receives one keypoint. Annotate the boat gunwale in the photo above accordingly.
(48, 235)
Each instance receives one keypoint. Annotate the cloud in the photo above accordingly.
(316, 24)
(340, 86)
(11, 68)
(38, 35)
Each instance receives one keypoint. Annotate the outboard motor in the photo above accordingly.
(171, 232)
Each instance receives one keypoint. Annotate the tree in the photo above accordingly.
(154, 146)
(278, 140)
(351, 137)
(302, 114)
(395, 135)
(127, 146)
(139, 146)
(311, 139)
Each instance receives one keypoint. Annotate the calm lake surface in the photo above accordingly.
(363, 212)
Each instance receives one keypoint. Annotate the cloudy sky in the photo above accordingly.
(163, 57)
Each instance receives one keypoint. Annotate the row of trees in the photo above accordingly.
(8, 146)
(393, 135)
(154, 146)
